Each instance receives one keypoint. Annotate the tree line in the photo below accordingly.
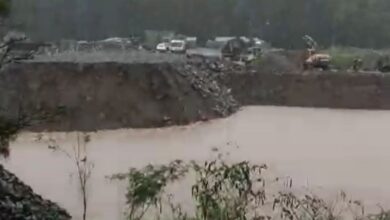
(361, 23)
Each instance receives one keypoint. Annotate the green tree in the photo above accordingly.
(362, 23)
(4, 7)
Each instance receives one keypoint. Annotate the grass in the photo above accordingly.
(343, 57)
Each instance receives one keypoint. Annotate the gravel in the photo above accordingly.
(203, 78)
(19, 202)
(126, 56)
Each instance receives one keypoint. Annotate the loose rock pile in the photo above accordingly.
(19, 202)
(204, 80)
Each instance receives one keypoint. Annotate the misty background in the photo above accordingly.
(360, 23)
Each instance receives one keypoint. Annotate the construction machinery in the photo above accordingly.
(10, 48)
(232, 48)
(383, 64)
(313, 59)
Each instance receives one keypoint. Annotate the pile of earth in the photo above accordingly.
(204, 79)
(280, 61)
(19, 202)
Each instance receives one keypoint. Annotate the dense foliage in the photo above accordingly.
(222, 190)
(363, 23)
(283, 22)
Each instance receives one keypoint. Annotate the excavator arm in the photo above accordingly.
(310, 42)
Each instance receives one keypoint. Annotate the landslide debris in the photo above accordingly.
(203, 78)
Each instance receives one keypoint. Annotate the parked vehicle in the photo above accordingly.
(177, 46)
(233, 48)
(162, 47)
(383, 64)
(251, 54)
(117, 40)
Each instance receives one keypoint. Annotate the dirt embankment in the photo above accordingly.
(312, 89)
(94, 96)
(112, 95)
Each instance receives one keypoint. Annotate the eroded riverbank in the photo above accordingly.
(96, 96)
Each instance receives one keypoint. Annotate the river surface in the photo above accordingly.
(319, 148)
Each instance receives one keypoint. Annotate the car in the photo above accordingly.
(162, 47)
(178, 46)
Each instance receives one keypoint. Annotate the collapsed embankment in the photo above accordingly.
(94, 96)
(312, 89)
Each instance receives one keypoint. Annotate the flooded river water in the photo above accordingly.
(331, 149)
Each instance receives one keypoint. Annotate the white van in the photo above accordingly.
(162, 47)
(178, 46)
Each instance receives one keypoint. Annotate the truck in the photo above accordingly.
(177, 46)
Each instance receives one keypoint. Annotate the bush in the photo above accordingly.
(231, 191)
(9, 128)
(228, 192)
(147, 185)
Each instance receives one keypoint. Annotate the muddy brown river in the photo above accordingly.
(318, 148)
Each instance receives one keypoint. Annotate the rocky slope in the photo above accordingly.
(19, 202)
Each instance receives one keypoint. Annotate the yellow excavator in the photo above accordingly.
(313, 59)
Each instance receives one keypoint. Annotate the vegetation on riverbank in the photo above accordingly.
(224, 190)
